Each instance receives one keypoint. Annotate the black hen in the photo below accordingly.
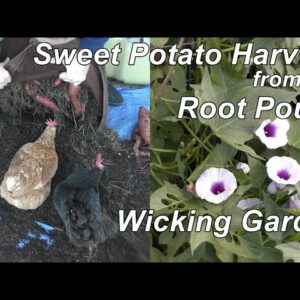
(77, 201)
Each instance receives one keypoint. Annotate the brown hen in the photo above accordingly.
(27, 183)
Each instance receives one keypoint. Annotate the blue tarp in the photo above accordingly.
(92, 43)
(124, 118)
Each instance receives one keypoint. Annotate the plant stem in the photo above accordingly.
(182, 121)
(155, 178)
(190, 130)
(203, 132)
(170, 72)
(287, 149)
(164, 150)
(157, 156)
(166, 171)
(168, 100)
(243, 46)
(162, 167)
(235, 161)
(199, 41)
(203, 143)
(209, 145)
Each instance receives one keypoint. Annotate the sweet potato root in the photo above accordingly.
(141, 133)
(144, 124)
(47, 102)
(73, 92)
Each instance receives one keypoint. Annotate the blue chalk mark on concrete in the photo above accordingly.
(31, 235)
(47, 239)
(44, 237)
(46, 227)
(22, 243)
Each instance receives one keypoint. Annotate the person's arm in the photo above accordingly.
(5, 77)
(75, 72)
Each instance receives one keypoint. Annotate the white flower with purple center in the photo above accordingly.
(249, 203)
(273, 133)
(215, 185)
(283, 170)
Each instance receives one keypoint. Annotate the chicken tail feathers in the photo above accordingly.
(85, 222)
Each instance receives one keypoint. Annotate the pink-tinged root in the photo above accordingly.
(47, 102)
(99, 161)
(73, 92)
(57, 82)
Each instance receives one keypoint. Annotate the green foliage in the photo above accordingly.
(218, 157)
(294, 134)
(159, 42)
(183, 149)
(229, 86)
(258, 172)
(290, 251)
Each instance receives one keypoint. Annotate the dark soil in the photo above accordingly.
(123, 186)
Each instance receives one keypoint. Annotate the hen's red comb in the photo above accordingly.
(51, 122)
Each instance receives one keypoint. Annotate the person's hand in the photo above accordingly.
(5, 77)
(75, 73)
